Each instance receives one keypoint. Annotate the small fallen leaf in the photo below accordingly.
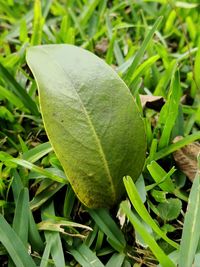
(152, 102)
(102, 46)
(186, 158)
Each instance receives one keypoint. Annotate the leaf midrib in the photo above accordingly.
(98, 142)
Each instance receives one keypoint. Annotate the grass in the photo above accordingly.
(154, 47)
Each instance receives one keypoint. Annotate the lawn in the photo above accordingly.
(151, 216)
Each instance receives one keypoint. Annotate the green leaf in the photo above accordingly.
(191, 233)
(99, 134)
(170, 209)
(14, 245)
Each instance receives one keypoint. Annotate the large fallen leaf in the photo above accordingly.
(91, 120)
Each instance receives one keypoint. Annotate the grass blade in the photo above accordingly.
(17, 185)
(169, 111)
(20, 221)
(161, 177)
(12, 98)
(160, 89)
(142, 68)
(45, 195)
(116, 260)
(16, 88)
(117, 50)
(34, 236)
(197, 68)
(32, 167)
(46, 254)
(140, 208)
(164, 260)
(88, 11)
(14, 245)
(86, 257)
(54, 239)
(109, 227)
(37, 152)
(191, 233)
(173, 147)
(37, 24)
(141, 51)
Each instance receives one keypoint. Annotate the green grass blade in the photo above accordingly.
(165, 79)
(38, 22)
(37, 152)
(20, 221)
(116, 260)
(117, 51)
(141, 51)
(77, 23)
(164, 260)
(69, 202)
(197, 67)
(109, 227)
(45, 195)
(85, 256)
(142, 68)
(88, 11)
(53, 238)
(45, 173)
(11, 97)
(161, 177)
(17, 185)
(14, 245)
(46, 253)
(169, 111)
(140, 208)
(34, 236)
(173, 147)
(16, 88)
(191, 234)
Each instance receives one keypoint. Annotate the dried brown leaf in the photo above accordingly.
(102, 46)
(152, 102)
(186, 158)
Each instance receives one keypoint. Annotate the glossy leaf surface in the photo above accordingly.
(91, 120)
